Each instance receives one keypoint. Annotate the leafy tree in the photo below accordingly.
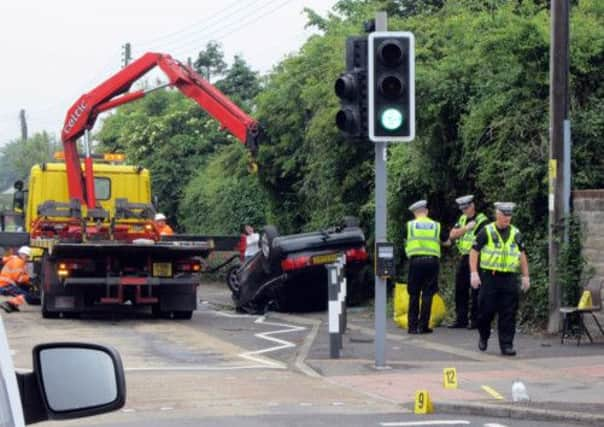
(17, 157)
(173, 137)
(240, 82)
(210, 61)
(222, 196)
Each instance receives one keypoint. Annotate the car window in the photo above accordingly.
(11, 414)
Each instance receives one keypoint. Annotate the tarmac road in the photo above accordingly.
(218, 364)
(226, 369)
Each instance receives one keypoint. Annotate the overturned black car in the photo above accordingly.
(289, 274)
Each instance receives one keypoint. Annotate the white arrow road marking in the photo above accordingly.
(427, 423)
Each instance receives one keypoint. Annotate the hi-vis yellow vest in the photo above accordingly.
(423, 238)
(498, 255)
(464, 243)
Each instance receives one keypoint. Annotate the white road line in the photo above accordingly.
(427, 423)
(282, 344)
(494, 425)
(253, 356)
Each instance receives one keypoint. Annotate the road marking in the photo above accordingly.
(492, 392)
(427, 423)
(260, 362)
(282, 344)
(494, 425)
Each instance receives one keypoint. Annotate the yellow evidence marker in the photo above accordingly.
(423, 404)
(450, 377)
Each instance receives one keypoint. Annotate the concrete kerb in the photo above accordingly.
(518, 411)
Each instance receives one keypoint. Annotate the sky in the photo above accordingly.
(54, 51)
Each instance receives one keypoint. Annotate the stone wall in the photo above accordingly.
(589, 207)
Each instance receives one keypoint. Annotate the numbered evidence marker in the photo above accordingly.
(450, 377)
(423, 404)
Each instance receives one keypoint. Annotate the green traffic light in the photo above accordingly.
(391, 119)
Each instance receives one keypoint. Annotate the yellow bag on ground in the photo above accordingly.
(401, 307)
(585, 302)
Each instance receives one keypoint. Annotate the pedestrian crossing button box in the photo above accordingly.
(384, 259)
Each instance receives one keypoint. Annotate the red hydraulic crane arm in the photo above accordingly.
(114, 92)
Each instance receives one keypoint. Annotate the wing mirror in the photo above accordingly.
(73, 380)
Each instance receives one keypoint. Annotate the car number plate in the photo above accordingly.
(324, 259)
(162, 269)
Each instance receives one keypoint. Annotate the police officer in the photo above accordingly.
(467, 227)
(422, 247)
(502, 257)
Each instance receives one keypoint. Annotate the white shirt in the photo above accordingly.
(252, 244)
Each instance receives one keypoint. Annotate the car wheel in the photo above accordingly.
(270, 254)
(232, 279)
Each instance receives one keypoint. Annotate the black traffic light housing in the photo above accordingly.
(351, 88)
(391, 86)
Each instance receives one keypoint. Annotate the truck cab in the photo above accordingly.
(111, 182)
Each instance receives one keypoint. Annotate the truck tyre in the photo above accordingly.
(45, 313)
(185, 315)
(44, 268)
(270, 255)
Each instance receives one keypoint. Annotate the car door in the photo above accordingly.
(11, 413)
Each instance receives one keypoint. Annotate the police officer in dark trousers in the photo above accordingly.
(502, 257)
(469, 224)
(422, 247)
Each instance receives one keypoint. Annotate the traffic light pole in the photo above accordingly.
(381, 217)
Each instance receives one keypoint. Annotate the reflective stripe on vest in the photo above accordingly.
(498, 255)
(465, 242)
(423, 238)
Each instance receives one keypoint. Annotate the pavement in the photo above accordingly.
(565, 382)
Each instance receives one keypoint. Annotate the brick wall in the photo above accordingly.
(589, 207)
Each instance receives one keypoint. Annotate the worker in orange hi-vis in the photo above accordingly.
(162, 226)
(14, 280)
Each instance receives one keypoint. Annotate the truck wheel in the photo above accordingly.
(232, 279)
(270, 255)
(186, 315)
(45, 313)
(44, 269)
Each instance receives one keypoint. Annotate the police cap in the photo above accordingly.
(420, 204)
(505, 208)
(464, 201)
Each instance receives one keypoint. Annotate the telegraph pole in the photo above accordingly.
(23, 121)
(557, 159)
(126, 55)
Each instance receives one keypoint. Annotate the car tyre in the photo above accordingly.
(232, 279)
(350, 221)
(270, 255)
